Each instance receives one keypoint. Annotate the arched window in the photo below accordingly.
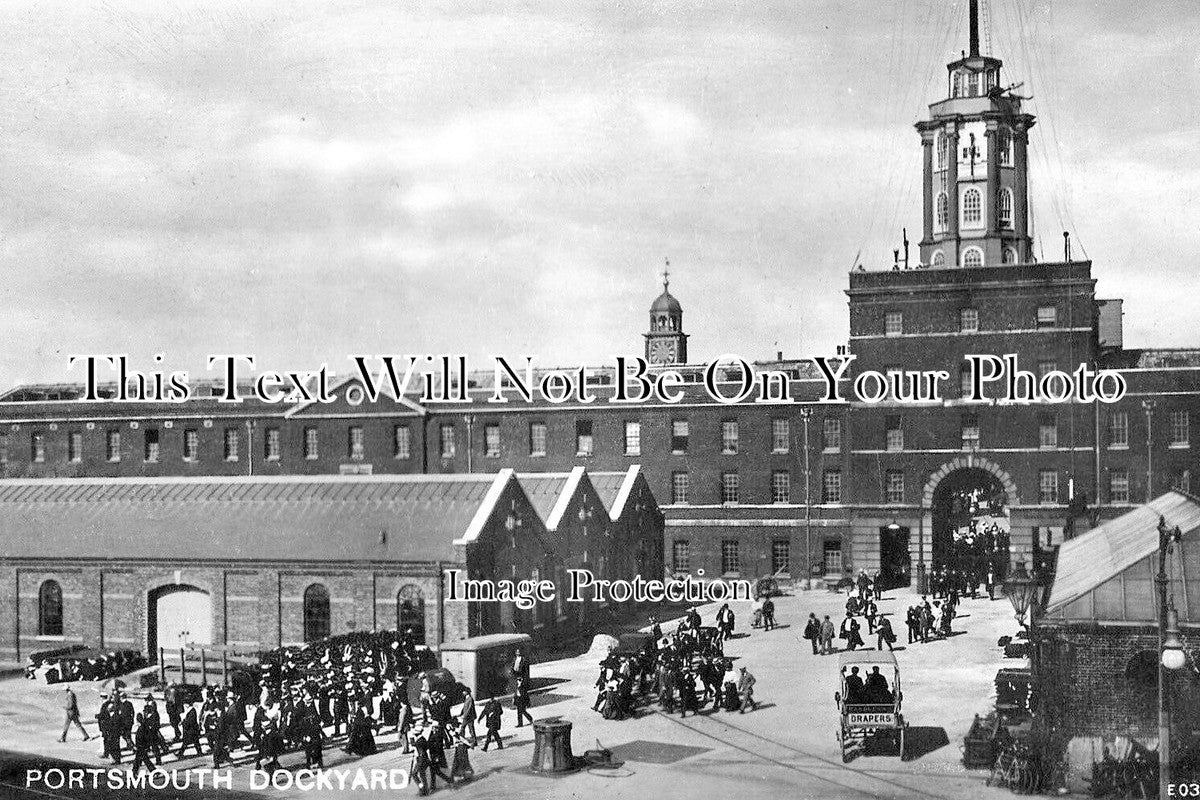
(316, 613)
(939, 259)
(1009, 256)
(1005, 147)
(972, 257)
(50, 609)
(1006, 204)
(941, 150)
(972, 207)
(943, 210)
(410, 612)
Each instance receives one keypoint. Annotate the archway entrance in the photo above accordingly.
(176, 616)
(970, 523)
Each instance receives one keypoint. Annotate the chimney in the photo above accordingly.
(974, 28)
(779, 355)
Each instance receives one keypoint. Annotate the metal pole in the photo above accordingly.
(806, 415)
(1164, 714)
(1148, 405)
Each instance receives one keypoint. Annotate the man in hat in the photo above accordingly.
(492, 714)
(746, 690)
(521, 701)
(190, 732)
(812, 631)
(173, 700)
(110, 731)
(143, 743)
(466, 717)
(71, 707)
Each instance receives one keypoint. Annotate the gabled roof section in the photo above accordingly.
(616, 489)
(386, 402)
(329, 518)
(1091, 560)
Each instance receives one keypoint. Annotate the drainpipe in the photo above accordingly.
(441, 610)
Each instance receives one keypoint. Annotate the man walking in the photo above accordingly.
(827, 632)
(812, 631)
(71, 707)
(886, 635)
(492, 713)
(521, 701)
(746, 691)
(466, 718)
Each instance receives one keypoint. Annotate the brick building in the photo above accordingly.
(261, 561)
(1097, 650)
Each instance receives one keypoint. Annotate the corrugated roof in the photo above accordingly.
(1086, 562)
(330, 517)
(543, 490)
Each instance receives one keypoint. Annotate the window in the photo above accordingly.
(1006, 208)
(1118, 486)
(679, 436)
(941, 150)
(894, 439)
(781, 486)
(831, 486)
(74, 447)
(939, 259)
(271, 448)
(355, 444)
(491, 441)
(972, 207)
(731, 557)
(633, 438)
(151, 444)
(957, 89)
(970, 431)
(410, 612)
(1118, 429)
(1005, 147)
(1047, 432)
(231, 444)
(968, 320)
(37, 446)
(311, 444)
(112, 445)
(4, 449)
(1047, 316)
(681, 555)
(832, 434)
(191, 444)
(1183, 481)
(537, 438)
(943, 211)
(401, 442)
(781, 557)
(972, 257)
(833, 557)
(1047, 486)
(730, 484)
(584, 444)
(316, 613)
(893, 323)
(446, 440)
(1044, 368)
(1009, 256)
(1179, 428)
(729, 437)
(894, 486)
(679, 488)
(781, 435)
(50, 609)
(973, 84)
(965, 380)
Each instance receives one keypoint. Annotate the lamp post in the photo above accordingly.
(1148, 407)
(806, 413)
(1021, 588)
(1170, 648)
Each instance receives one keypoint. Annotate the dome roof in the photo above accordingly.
(666, 302)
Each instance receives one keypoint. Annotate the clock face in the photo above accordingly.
(662, 352)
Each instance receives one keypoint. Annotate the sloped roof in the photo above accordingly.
(1090, 560)
(329, 517)
(615, 488)
(544, 490)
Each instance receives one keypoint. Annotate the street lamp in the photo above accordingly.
(1170, 647)
(806, 413)
(1021, 589)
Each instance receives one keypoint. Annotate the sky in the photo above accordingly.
(303, 180)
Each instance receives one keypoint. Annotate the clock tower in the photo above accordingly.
(666, 343)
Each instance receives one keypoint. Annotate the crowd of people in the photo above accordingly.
(354, 687)
(80, 663)
(682, 671)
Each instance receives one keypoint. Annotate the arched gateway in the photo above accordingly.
(178, 615)
(966, 502)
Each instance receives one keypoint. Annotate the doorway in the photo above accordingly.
(895, 563)
(177, 616)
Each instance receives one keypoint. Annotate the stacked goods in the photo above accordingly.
(78, 663)
(1014, 692)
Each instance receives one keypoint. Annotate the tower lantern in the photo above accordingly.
(976, 180)
(666, 343)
